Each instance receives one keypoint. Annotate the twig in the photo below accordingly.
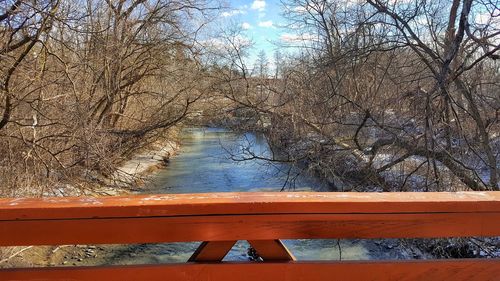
(15, 254)
(340, 249)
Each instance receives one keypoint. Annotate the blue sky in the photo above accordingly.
(261, 21)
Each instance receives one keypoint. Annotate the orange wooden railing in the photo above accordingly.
(220, 219)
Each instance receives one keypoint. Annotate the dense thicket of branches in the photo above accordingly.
(373, 95)
(83, 83)
(394, 95)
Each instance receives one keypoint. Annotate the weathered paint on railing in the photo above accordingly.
(261, 218)
(442, 270)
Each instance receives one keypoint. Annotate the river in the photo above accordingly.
(218, 160)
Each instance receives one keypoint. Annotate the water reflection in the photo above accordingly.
(217, 160)
(206, 163)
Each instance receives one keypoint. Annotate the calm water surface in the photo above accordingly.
(218, 160)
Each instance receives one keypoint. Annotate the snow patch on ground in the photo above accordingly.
(141, 164)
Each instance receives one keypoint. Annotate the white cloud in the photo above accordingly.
(489, 21)
(268, 23)
(233, 13)
(295, 38)
(241, 41)
(238, 41)
(259, 5)
(246, 25)
(300, 9)
(483, 18)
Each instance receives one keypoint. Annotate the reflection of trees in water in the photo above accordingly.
(253, 149)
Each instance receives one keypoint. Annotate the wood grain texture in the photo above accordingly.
(247, 203)
(245, 227)
(272, 250)
(212, 251)
(222, 217)
(440, 270)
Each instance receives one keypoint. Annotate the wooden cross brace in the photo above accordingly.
(268, 250)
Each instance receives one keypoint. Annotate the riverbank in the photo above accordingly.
(98, 255)
(203, 166)
(135, 171)
(131, 175)
(329, 163)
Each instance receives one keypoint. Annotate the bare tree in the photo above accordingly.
(388, 94)
(86, 83)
